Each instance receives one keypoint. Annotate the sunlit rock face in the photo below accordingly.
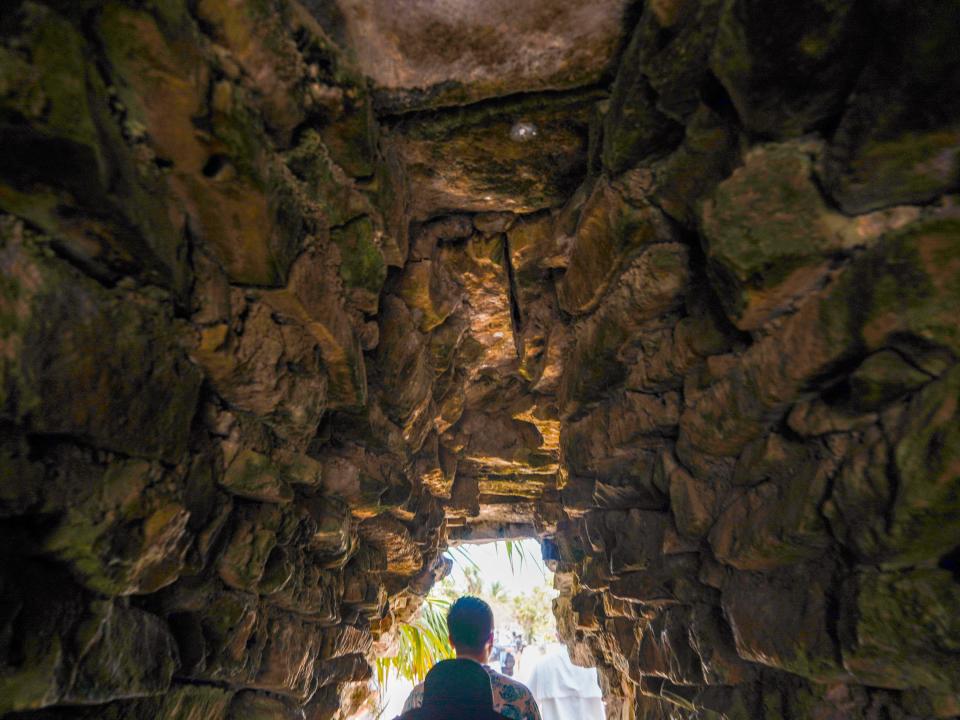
(294, 295)
(437, 53)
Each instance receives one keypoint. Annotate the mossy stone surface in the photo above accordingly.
(465, 158)
(126, 535)
(634, 128)
(901, 630)
(897, 141)
(98, 380)
(788, 66)
(361, 262)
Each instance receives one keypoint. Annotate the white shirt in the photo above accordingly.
(564, 691)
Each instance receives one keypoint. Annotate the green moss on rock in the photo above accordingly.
(901, 630)
(361, 263)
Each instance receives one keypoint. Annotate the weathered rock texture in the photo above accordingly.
(296, 294)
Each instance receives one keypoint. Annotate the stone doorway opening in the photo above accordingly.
(513, 578)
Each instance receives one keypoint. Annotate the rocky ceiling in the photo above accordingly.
(294, 294)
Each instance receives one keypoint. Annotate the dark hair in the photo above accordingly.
(470, 622)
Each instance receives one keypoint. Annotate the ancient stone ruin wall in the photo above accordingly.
(290, 301)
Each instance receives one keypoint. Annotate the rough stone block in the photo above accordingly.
(897, 140)
(608, 233)
(783, 619)
(120, 368)
(900, 629)
(765, 56)
(126, 534)
(65, 646)
(894, 503)
(776, 520)
(770, 236)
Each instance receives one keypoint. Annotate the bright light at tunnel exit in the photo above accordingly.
(526, 572)
(515, 590)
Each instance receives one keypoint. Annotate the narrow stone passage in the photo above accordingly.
(296, 293)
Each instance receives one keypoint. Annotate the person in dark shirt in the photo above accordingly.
(455, 690)
(470, 622)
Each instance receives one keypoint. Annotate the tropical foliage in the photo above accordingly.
(421, 643)
(424, 640)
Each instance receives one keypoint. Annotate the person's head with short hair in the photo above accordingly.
(470, 623)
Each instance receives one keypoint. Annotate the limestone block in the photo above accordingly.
(711, 638)
(68, 169)
(883, 377)
(816, 417)
(126, 533)
(219, 180)
(324, 705)
(551, 46)
(363, 588)
(66, 646)
(132, 654)
(900, 629)
(483, 168)
(895, 503)
(618, 443)
(482, 269)
(694, 503)
(311, 300)
(676, 68)
(661, 356)
(680, 181)
(770, 236)
(333, 533)
(646, 293)
(349, 668)
(346, 480)
(120, 368)
(253, 540)
(394, 539)
(503, 445)
(250, 705)
(217, 639)
(403, 360)
(631, 539)
(362, 265)
(269, 368)
(609, 232)
(781, 619)
(765, 55)
(254, 476)
(182, 702)
(428, 287)
(902, 286)
(292, 652)
(324, 184)
(776, 520)
(428, 236)
(897, 140)
(664, 649)
(635, 486)
(667, 581)
(634, 129)
(304, 588)
(40, 612)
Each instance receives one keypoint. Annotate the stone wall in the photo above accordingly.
(289, 303)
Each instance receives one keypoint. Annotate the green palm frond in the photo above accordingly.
(421, 643)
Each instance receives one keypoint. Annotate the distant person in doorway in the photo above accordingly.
(508, 663)
(455, 690)
(565, 691)
(470, 622)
